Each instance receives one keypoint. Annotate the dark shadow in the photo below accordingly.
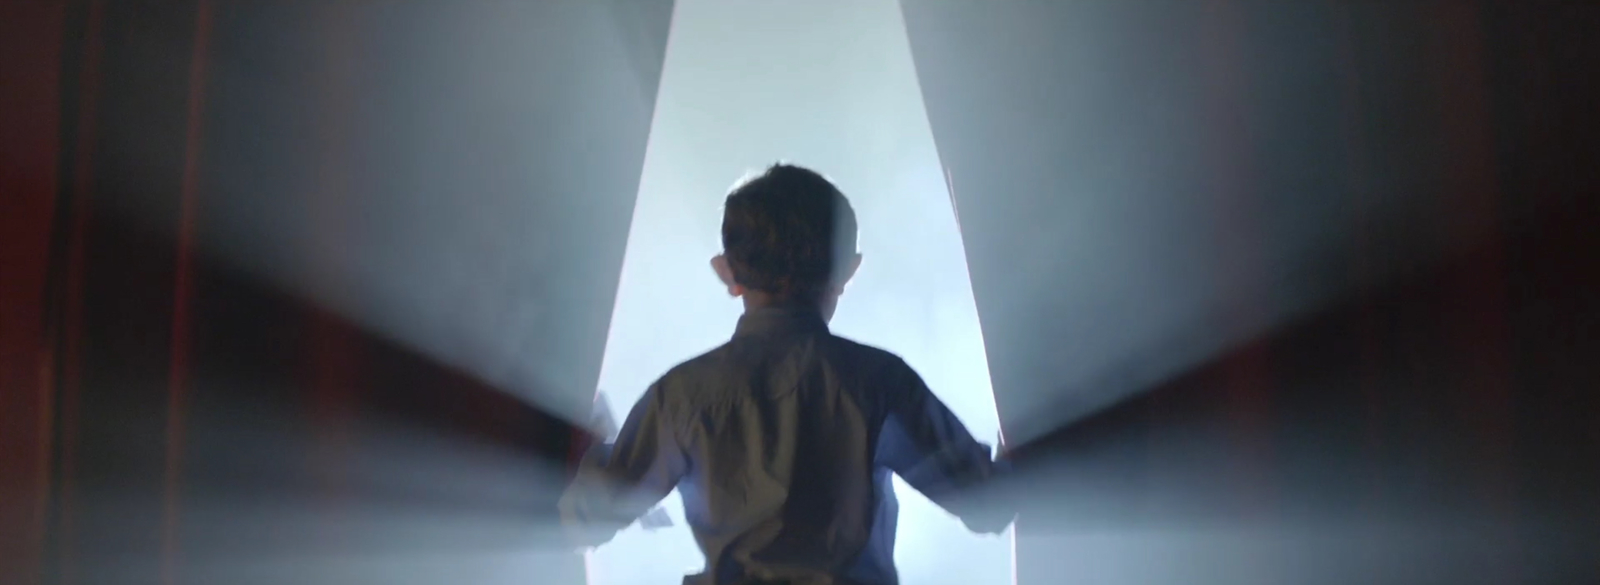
(302, 433)
(1452, 430)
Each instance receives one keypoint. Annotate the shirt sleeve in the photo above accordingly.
(617, 483)
(928, 447)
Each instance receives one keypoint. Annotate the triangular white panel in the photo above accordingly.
(827, 84)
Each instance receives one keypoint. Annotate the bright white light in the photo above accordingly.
(827, 84)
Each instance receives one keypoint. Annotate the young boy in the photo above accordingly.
(782, 442)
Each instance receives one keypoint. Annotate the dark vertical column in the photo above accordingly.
(179, 370)
(81, 97)
(1477, 321)
(1238, 205)
(31, 46)
(123, 297)
(1359, 193)
(335, 356)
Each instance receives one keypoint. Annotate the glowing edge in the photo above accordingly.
(999, 422)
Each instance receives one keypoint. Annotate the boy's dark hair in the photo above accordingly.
(788, 232)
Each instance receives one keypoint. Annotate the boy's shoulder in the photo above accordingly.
(717, 377)
(738, 356)
(870, 353)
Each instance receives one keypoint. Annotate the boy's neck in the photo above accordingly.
(758, 300)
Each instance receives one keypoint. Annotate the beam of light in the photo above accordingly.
(831, 85)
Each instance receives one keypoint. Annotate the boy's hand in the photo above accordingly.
(1002, 452)
(655, 519)
(601, 422)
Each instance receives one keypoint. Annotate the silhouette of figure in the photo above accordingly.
(783, 441)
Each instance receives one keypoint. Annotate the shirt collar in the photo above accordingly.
(788, 319)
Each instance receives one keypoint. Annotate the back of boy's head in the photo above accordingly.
(788, 232)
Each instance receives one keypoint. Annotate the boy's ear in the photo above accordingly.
(848, 273)
(719, 264)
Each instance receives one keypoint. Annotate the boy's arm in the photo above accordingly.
(617, 483)
(927, 446)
